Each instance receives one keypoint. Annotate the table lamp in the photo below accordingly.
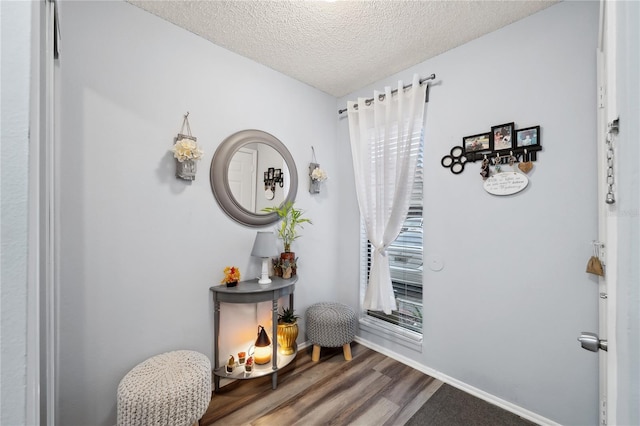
(262, 352)
(264, 247)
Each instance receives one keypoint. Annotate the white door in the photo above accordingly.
(242, 177)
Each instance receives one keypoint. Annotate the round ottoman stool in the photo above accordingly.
(331, 324)
(172, 389)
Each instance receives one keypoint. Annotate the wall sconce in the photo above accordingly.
(264, 246)
(316, 175)
(271, 178)
(262, 351)
(186, 152)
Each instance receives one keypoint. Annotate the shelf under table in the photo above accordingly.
(258, 370)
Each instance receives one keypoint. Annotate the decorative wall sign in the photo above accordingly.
(506, 183)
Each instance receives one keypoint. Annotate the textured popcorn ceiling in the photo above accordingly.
(340, 46)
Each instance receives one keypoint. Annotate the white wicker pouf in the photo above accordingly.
(331, 324)
(171, 389)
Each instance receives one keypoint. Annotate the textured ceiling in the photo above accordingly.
(341, 46)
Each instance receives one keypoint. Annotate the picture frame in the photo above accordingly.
(502, 137)
(529, 136)
(477, 143)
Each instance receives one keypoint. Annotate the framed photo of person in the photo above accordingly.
(528, 137)
(477, 143)
(502, 137)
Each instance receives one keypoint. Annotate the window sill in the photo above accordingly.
(385, 330)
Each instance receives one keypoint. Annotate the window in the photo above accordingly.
(405, 262)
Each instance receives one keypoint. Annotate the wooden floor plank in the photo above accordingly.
(380, 412)
(345, 399)
(371, 389)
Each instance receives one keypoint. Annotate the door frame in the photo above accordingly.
(607, 213)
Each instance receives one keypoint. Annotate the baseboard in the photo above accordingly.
(303, 345)
(492, 399)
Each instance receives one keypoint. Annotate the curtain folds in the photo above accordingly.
(385, 141)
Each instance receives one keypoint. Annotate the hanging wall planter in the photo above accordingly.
(186, 152)
(316, 175)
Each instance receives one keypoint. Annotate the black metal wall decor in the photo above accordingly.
(502, 145)
(272, 177)
(455, 160)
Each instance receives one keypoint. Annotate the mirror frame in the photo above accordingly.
(219, 176)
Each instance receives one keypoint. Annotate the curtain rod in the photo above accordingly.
(394, 91)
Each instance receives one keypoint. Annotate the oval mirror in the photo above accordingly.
(251, 170)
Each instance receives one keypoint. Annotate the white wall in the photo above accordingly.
(504, 313)
(15, 54)
(139, 249)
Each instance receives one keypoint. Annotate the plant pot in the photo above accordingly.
(232, 284)
(287, 335)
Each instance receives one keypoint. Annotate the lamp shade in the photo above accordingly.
(263, 339)
(262, 354)
(264, 245)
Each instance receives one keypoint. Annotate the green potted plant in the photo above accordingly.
(287, 331)
(291, 220)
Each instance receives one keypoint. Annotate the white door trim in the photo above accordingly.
(41, 313)
(607, 213)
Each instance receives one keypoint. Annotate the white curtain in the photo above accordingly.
(385, 141)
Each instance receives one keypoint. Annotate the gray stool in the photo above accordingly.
(331, 324)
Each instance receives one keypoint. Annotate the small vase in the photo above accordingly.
(229, 369)
(232, 284)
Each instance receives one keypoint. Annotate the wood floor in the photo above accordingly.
(370, 390)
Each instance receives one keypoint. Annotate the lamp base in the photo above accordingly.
(264, 277)
(264, 281)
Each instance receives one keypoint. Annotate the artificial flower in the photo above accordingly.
(231, 275)
(319, 174)
(186, 149)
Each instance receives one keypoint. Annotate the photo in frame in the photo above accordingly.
(477, 143)
(529, 136)
(502, 137)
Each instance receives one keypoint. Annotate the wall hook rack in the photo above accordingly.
(503, 145)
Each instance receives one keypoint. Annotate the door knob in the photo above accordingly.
(591, 342)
